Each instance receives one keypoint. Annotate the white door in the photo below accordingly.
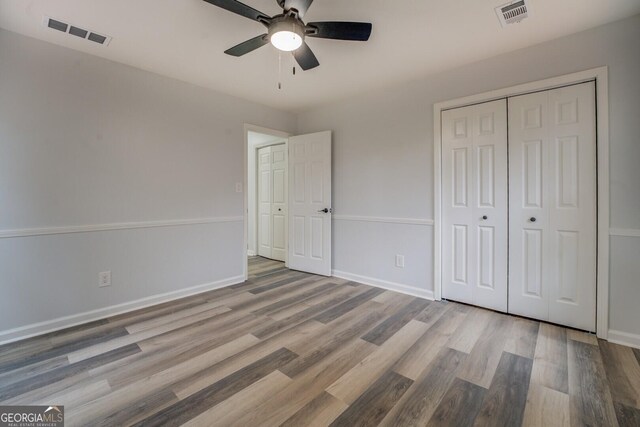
(279, 202)
(474, 209)
(310, 203)
(264, 202)
(272, 202)
(552, 206)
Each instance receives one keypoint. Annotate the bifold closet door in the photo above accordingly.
(279, 202)
(552, 206)
(265, 183)
(474, 208)
(272, 202)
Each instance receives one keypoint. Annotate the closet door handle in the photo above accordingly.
(485, 217)
(532, 219)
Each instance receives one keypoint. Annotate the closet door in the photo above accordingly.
(474, 210)
(552, 206)
(264, 202)
(272, 202)
(279, 202)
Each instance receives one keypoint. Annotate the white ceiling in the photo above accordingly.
(185, 39)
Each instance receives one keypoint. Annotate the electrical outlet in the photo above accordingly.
(400, 261)
(238, 187)
(104, 279)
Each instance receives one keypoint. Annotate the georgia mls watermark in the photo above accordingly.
(31, 416)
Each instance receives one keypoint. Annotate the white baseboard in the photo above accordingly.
(41, 328)
(624, 338)
(384, 284)
(251, 253)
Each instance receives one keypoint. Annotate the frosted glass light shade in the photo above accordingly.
(286, 40)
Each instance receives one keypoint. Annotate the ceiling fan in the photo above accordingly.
(287, 31)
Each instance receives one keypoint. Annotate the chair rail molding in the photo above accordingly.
(390, 220)
(46, 231)
(625, 232)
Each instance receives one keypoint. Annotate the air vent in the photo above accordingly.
(57, 25)
(75, 31)
(78, 32)
(513, 12)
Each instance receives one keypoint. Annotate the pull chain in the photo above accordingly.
(279, 70)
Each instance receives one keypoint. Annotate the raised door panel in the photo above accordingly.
(531, 274)
(317, 237)
(459, 177)
(460, 254)
(531, 169)
(279, 235)
(487, 257)
(299, 183)
(299, 245)
(486, 176)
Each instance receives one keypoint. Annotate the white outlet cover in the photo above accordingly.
(238, 187)
(400, 261)
(104, 279)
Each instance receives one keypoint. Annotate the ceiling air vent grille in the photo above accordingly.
(513, 12)
(75, 31)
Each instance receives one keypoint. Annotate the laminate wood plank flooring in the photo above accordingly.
(459, 406)
(294, 349)
(505, 401)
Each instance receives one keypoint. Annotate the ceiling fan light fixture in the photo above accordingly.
(287, 31)
(286, 41)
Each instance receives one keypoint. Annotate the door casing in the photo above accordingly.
(600, 76)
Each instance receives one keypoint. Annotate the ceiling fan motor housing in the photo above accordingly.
(286, 23)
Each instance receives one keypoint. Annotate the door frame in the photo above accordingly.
(600, 76)
(245, 209)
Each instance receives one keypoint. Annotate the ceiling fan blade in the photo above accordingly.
(305, 57)
(248, 46)
(359, 31)
(241, 9)
(300, 5)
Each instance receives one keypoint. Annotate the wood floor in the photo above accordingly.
(294, 349)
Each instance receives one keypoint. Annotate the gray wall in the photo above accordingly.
(383, 149)
(86, 141)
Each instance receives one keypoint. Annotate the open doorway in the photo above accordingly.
(296, 205)
(266, 195)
